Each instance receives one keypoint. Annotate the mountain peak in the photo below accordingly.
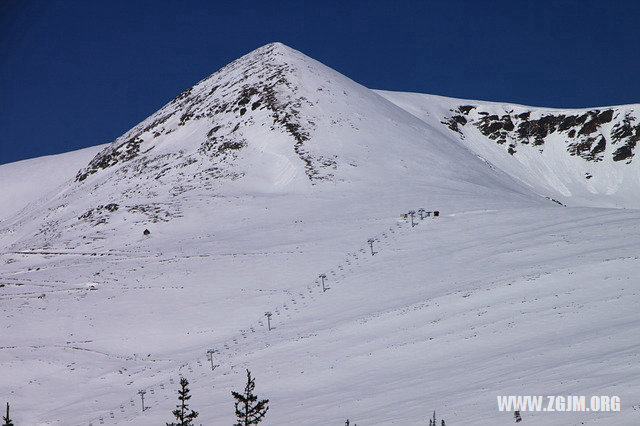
(222, 99)
(272, 121)
(275, 46)
(273, 92)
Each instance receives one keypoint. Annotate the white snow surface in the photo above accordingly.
(506, 292)
(25, 181)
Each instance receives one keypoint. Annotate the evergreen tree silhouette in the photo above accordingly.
(7, 419)
(434, 422)
(182, 409)
(249, 410)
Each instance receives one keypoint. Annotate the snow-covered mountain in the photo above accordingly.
(276, 169)
(579, 156)
(272, 122)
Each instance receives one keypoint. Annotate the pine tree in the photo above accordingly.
(182, 409)
(434, 422)
(7, 419)
(249, 410)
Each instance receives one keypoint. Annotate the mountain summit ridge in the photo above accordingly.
(278, 81)
(581, 156)
(273, 86)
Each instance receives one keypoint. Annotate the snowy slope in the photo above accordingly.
(256, 180)
(25, 181)
(577, 156)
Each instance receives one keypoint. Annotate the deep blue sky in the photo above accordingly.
(80, 73)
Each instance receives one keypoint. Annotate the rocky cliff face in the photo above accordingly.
(586, 134)
(257, 88)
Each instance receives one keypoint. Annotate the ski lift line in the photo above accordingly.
(226, 344)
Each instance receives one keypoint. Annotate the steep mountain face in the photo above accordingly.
(257, 88)
(272, 122)
(300, 121)
(582, 156)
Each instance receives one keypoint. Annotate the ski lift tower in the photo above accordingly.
(322, 278)
(371, 241)
(210, 352)
(141, 393)
(268, 315)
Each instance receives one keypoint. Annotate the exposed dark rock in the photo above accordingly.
(111, 156)
(182, 95)
(596, 119)
(584, 134)
(496, 128)
(624, 152)
(185, 117)
(212, 131)
(458, 118)
(99, 215)
(628, 134)
(465, 109)
(230, 145)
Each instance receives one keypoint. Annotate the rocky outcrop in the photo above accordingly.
(234, 97)
(586, 134)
